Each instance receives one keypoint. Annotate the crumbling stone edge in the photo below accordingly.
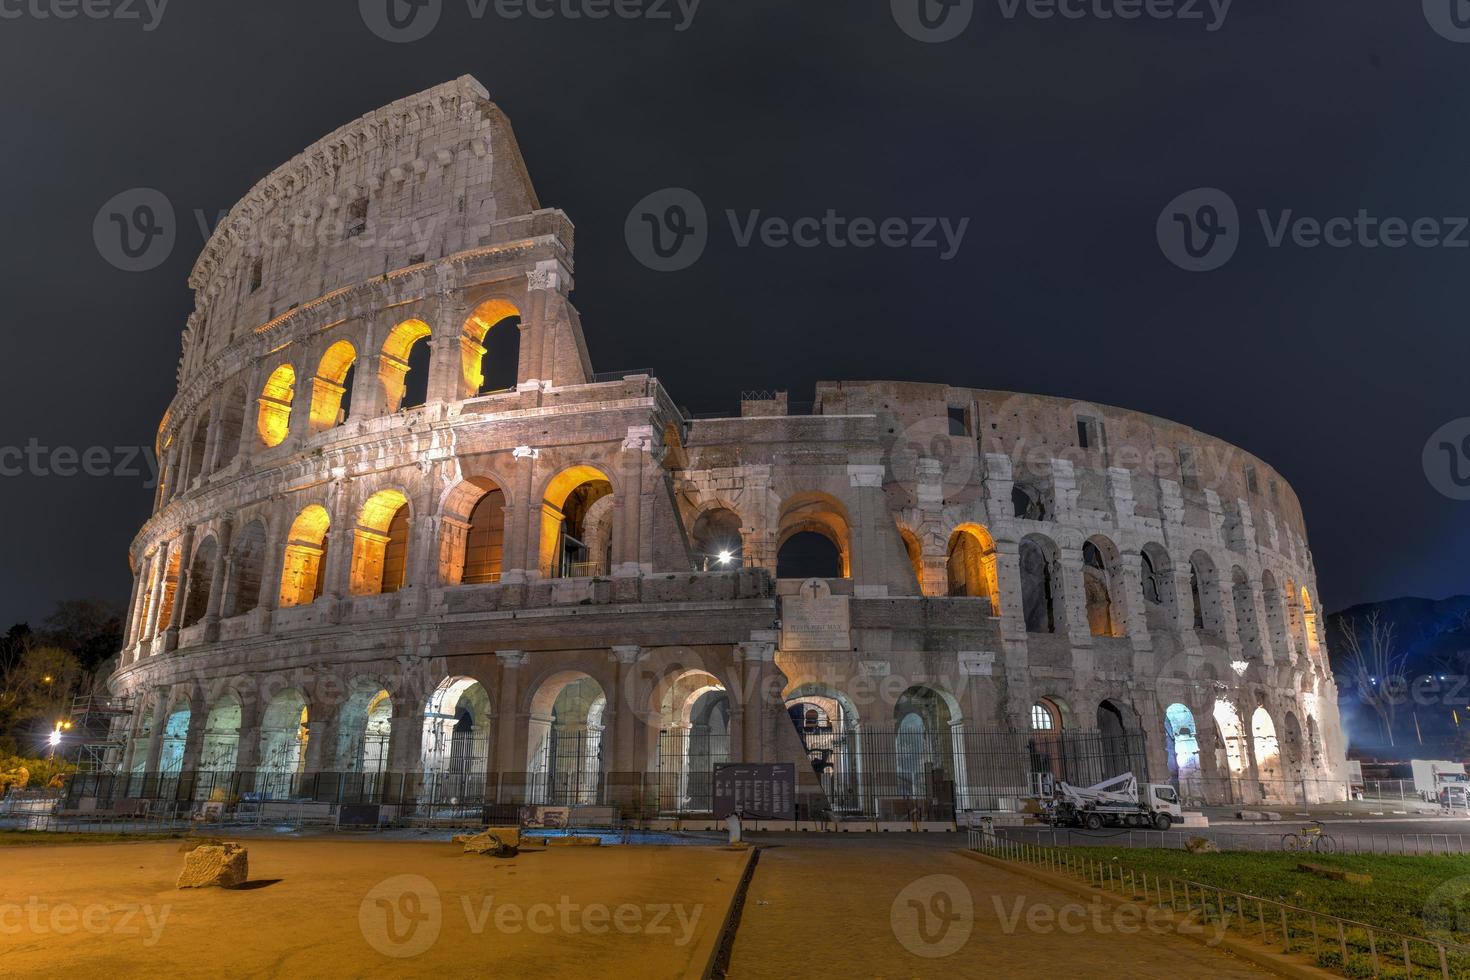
(1261, 955)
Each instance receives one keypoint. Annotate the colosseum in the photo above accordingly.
(409, 548)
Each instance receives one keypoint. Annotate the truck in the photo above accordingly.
(1115, 802)
(1433, 776)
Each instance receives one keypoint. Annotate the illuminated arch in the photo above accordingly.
(380, 544)
(303, 564)
(273, 422)
(394, 367)
(472, 542)
(331, 389)
(490, 347)
(716, 540)
(971, 565)
(1101, 588)
(457, 728)
(807, 519)
(915, 552)
(576, 540)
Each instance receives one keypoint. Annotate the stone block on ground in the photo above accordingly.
(223, 865)
(573, 841)
(1201, 845)
(1336, 874)
(497, 841)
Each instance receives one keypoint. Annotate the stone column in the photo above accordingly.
(1073, 605)
(757, 662)
(160, 722)
(1131, 606)
(181, 590)
(160, 563)
(628, 506)
(135, 605)
(625, 721)
(194, 737)
(217, 582)
(508, 720)
(520, 556)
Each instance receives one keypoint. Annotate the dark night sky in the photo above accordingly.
(1061, 141)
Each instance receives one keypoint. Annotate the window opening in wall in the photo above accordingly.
(1250, 480)
(257, 274)
(957, 424)
(357, 217)
(1089, 432)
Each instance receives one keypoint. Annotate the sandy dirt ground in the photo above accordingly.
(359, 908)
(908, 906)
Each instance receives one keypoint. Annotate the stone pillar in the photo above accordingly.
(760, 710)
(520, 557)
(1130, 606)
(406, 735)
(508, 719)
(1073, 605)
(160, 564)
(135, 606)
(1008, 581)
(533, 370)
(194, 737)
(865, 544)
(181, 590)
(628, 506)
(160, 722)
(625, 719)
(217, 583)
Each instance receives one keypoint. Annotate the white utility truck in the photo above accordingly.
(1115, 802)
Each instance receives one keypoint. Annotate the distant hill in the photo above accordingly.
(1435, 634)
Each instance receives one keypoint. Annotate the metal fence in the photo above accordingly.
(1266, 840)
(1347, 946)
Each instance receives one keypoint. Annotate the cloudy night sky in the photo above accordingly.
(1060, 140)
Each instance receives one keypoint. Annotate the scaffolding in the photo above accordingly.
(102, 725)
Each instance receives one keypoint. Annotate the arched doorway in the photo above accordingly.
(566, 743)
(813, 538)
(1230, 747)
(576, 524)
(283, 735)
(1268, 754)
(1183, 738)
(970, 565)
(175, 735)
(693, 737)
(827, 724)
(456, 740)
(716, 541)
(364, 727)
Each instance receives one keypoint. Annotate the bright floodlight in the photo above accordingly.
(56, 737)
(725, 557)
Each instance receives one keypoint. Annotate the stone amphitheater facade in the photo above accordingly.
(404, 528)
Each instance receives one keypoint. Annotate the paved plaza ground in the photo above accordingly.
(839, 906)
(325, 908)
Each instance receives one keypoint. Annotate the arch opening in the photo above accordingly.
(717, 541)
(1038, 585)
(813, 538)
(331, 389)
(380, 544)
(201, 577)
(971, 565)
(273, 418)
(566, 746)
(491, 348)
(576, 524)
(403, 366)
(303, 566)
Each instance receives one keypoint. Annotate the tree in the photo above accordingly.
(90, 628)
(36, 687)
(1376, 669)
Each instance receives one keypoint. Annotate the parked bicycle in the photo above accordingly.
(1313, 838)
